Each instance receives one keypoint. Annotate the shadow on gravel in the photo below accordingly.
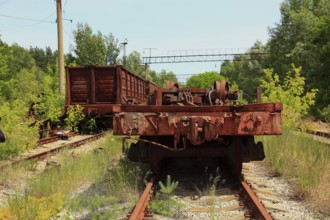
(197, 176)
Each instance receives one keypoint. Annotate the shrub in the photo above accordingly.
(163, 203)
(74, 116)
(296, 101)
(19, 132)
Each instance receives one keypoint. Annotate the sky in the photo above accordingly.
(165, 25)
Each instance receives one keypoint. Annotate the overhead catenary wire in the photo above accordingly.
(26, 19)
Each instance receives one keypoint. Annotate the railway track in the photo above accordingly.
(258, 194)
(256, 209)
(321, 136)
(48, 146)
(141, 210)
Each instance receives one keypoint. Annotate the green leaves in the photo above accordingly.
(169, 187)
(163, 204)
(74, 115)
(291, 93)
(300, 38)
(204, 80)
(94, 49)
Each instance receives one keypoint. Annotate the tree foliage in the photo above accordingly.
(74, 115)
(302, 38)
(134, 64)
(290, 92)
(27, 77)
(94, 49)
(246, 71)
(204, 80)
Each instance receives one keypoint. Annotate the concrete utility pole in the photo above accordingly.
(124, 43)
(60, 45)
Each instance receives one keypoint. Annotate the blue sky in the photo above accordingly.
(165, 25)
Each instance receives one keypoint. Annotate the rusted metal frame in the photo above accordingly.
(268, 107)
(153, 125)
(92, 86)
(194, 126)
(140, 211)
(117, 85)
(258, 210)
(149, 142)
(192, 90)
(68, 88)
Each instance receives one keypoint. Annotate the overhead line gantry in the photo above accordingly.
(189, 56)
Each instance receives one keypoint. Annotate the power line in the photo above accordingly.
(27, 19)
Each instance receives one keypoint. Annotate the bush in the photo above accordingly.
(163, 203)
(18, 129)
(74, 116)
(296, 101)
(326, 114)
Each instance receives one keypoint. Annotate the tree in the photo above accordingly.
(321, 74)
(246, 71)
(112, 49)
(4, 56)
(94, 49)
(19, 58)
(25, 82)
(297, 39)
(44, 59)
(204, 80)
(134, 63)
(296, 102)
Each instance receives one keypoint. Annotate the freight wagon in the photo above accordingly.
(173, 122)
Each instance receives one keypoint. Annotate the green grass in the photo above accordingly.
(163, 203)
(50, 191)
(298, 157)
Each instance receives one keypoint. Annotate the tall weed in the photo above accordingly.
(297, 156)
(47, 193)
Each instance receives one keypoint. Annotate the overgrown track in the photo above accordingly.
(321, 136)
(247, 198)
(321, 133)
(42, 152)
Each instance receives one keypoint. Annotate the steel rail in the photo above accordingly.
(47, 140)
(140, 211)
(43, 154)
(258, 211)
(319, 133)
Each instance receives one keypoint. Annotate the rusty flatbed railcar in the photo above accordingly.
(174, 122)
